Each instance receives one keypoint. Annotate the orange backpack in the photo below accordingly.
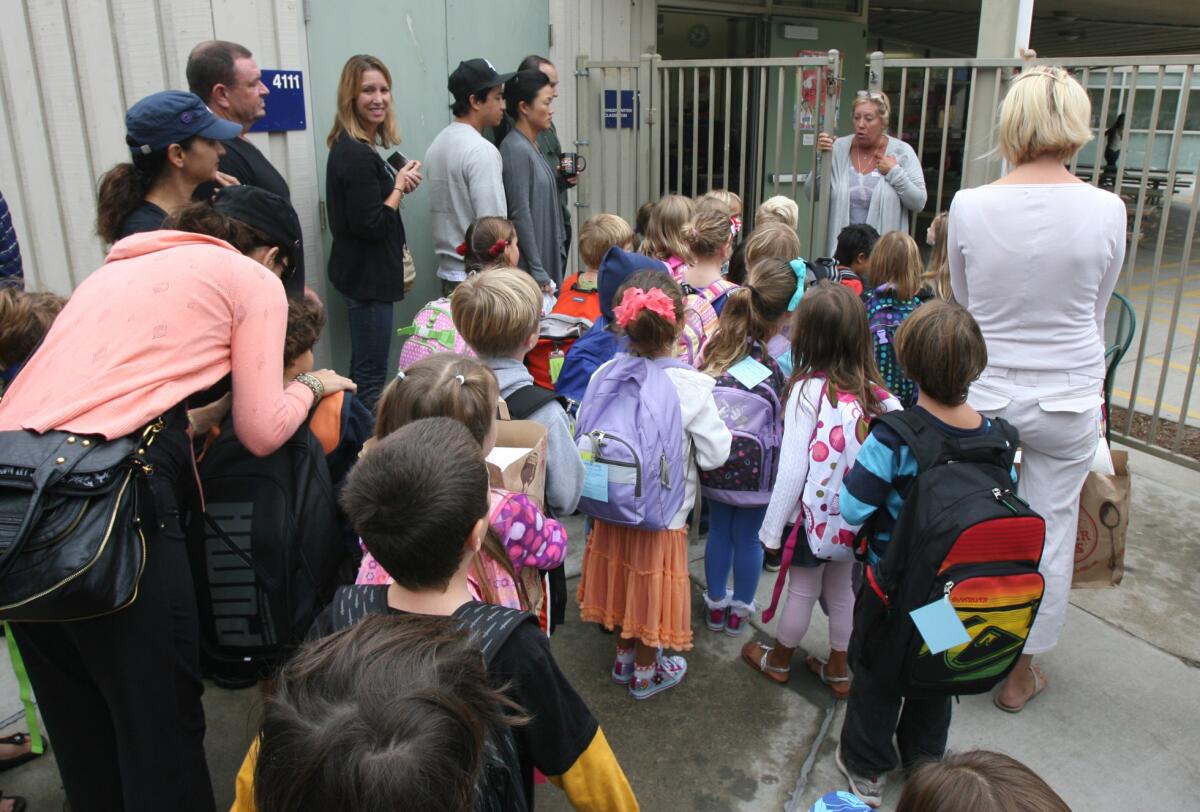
(575, 304)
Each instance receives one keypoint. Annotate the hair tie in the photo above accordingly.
(498, 247)
(461, 250)
(755, 297)
(800, 269)
(635, 300)
(400, 375)
(461, 380)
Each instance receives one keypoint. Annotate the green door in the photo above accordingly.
(420, 41)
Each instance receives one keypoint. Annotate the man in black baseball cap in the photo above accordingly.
(463, 170)
(272, 219)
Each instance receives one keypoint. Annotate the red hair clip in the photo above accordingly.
(461, 250)
(498, 247)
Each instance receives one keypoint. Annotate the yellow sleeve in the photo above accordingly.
(243, 799)
(596, 782)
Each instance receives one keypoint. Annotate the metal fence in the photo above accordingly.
(651, 126)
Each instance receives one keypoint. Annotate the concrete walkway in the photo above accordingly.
(1118, 729)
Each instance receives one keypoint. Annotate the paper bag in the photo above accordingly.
(518, 462)
(1103, 523)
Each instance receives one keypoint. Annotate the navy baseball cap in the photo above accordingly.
(475, 75)
(166, 118)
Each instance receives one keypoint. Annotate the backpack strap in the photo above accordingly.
(354, 602)
(490, 625)
(931, 447)
(527, 400)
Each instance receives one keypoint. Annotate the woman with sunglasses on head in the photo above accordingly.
(169, 314)
(874, 178)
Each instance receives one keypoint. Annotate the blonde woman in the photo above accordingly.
(366, 263)
(1035, 257)
(874, 178)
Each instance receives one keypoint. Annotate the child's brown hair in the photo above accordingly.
(937, 271)
(305, 322)
(830, 338)
(896, 261)
(707, 233)
(941, 347)
(978, 781)
(600, 233)
(752, 312)
(497, 312)
(486, 240)
(649, 333)
(442, 385)
(772, 240)
(25, 318)
(664, 233)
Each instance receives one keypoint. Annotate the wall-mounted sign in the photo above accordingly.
(622, 117)
(285, 103)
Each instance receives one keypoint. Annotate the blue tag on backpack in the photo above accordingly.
(940, 626)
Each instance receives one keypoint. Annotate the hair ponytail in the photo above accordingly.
(751, 314)
(125, 186)
(481, 248)
(706, 233)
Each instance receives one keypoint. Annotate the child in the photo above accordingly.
(446, 385)
(942, 349)
(641, 222)
(896, 293)
(853, 253)
(600, 343)
(579, 297)
(937, 271)
(738, 492)
(396, 709)
(709, 240)
(635, 579)
(834, 385)
(25, 318)
(491, 242)
(498, 314)
(723, 200)
(664, 234)
(771, 239)
(778, 209)
(419, 502)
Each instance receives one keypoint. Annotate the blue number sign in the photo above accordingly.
(285, 103)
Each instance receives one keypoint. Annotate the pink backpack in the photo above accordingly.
(431, 332)
(700, 320)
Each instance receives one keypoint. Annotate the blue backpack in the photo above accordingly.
(630, 435)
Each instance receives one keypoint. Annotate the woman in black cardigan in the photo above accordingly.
(363, 192)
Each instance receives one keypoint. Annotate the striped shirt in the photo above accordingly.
(10, 251)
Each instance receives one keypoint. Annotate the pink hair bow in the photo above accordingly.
(635, 300)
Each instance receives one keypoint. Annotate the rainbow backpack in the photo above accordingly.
(431, 332)
(700, 321)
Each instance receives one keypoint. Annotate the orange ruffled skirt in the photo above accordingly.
(638, 580)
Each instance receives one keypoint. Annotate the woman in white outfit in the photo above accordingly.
(1035, 257)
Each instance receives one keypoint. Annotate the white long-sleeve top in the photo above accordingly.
(1035, 264)
(799, 424)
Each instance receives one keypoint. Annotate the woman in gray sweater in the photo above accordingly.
(530, 185)
(874, 178)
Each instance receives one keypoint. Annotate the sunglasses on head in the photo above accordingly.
(870, 94)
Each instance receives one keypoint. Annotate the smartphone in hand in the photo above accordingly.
(397, 160)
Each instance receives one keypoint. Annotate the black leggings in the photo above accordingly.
(121, 694)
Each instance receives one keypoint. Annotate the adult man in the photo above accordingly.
(548, 141)
(463, 171)
(226, 77)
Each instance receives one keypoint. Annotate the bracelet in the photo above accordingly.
(313, 383)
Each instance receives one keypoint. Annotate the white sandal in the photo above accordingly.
(762, 666)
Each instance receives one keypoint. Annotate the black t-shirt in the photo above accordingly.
(146, 217)
(561, 727)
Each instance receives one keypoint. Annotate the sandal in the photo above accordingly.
(1039, 685)
(18, 803)
(16, 740)
(838, 686)
(775, 673)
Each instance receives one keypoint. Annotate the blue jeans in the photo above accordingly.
(733, 544)
(370, 340)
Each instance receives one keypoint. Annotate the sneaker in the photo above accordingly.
(868, 788)
(734, 624)
(668, 672)
(622, 672)
(772, 560)
(715, 618)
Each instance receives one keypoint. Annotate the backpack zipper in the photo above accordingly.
(599, 438)
(999, 495)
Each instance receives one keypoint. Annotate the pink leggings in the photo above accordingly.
(805, 586)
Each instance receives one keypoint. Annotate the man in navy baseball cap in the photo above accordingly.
(172, 116)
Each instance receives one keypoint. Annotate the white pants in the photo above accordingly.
(1056, 414)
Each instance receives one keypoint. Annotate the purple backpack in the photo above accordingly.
(755, 418)
(630, 435)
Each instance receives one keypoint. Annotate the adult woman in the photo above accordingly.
(174, 142)
(366, 263)
(874, 178)
(1035, 257)
(169, 314)
(530, 185)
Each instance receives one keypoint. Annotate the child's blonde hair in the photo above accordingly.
(600, 233)
(778, 209)
(772, 240)
(751, 313)
(725, 200)
(664, 234)
(707, 233)
(497, 312)
(896, 261)
(482, 249)
(937, 271)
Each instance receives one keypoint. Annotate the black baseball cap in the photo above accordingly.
(266, 212)
(171, 116)
(475, 75)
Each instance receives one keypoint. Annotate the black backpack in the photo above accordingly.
(267, 552)
(500, 787)
(961, 533)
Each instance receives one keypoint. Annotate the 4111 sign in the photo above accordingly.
(285, 102)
